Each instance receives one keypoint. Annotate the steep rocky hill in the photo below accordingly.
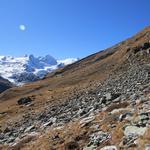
(99, 102)
(4, 84)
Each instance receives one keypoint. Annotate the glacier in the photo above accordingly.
(28, 68)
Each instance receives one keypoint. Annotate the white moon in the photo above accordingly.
(22, 27)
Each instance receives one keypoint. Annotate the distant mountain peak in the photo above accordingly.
(29, 68)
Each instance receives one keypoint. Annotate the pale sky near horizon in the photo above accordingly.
(68, 28)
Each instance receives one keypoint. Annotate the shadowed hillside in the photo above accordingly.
(4, 84)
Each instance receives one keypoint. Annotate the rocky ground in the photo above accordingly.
(123, 98)
(109, 115)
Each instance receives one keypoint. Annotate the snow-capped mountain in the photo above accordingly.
(29, 68)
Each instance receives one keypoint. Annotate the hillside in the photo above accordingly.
(4, 84)
(101, 100)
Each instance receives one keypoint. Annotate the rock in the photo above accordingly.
(144, 116)
(115, 96)
(136, 49)
(1, 136)
(112, 125)
(53, 119)
(148, 51)
(24, 101)
(20, 142)
(117, 100)
(72, 146)
(86, 121)
(112, 96)
(134, 97)
(109, 148)
(92, 147)
(129, 141)
(146, 45)
(99, 137)
(117, 106)
(147, 147)
(49, 123)
(126, 116)
(29, 128)
(114, 111)
(103, 100)
(11, 139)
(134, 130)
(7, 129)
(2, 114)
(108, 96)
(143, 99)
(81, 112)
(95, 127)
(97, 106)
(142, 119)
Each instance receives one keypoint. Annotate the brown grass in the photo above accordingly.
(117, 106)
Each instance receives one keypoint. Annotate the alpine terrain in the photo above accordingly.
(4, 84)
(19, 70)
(101, 102)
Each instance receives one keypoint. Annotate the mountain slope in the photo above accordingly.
(4, 84)
(96, 67)
(101, 100)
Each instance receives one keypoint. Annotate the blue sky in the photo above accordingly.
(68, 28)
